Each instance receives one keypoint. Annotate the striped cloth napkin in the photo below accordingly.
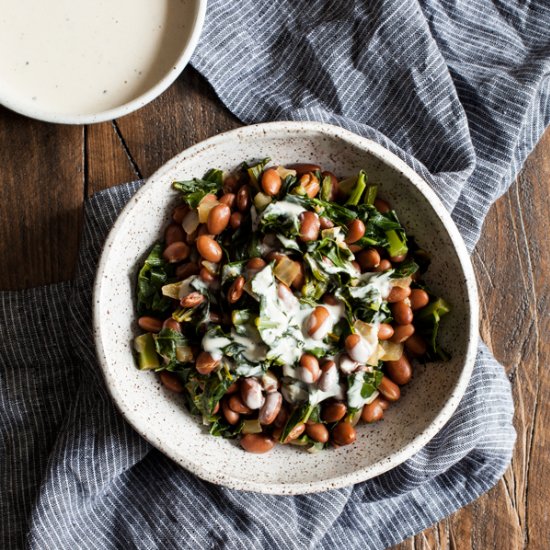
(459, 90)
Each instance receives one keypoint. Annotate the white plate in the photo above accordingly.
(86, 61)
(160, 417)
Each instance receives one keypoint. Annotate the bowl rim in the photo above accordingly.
(383, 464)
(188, 47)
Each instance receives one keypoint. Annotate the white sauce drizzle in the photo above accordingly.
(355, 399)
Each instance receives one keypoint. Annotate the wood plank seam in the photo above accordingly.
(131, 158)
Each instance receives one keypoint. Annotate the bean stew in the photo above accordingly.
(285, 305)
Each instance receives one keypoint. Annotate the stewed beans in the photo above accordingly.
(286, 305)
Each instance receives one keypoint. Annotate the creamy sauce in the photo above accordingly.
(286, 209)
(214, 345)
(87, 56)
(368, 344)
(376, 286)
(254, 350)
(287, 336)
(355, 399)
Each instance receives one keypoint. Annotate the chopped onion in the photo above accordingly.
(252, 426)
(405, 282)
(392, 351)
(172, 290)
(178, 290)
(261, 200)
(211, 267)
(353, 419)
(191, 221)
(285, 172)
(366, 330)
(207, 203)
(184, 354)
(286, 270)
(375, 357)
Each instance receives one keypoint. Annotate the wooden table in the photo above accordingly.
(47, 171)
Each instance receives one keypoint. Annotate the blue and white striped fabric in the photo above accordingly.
(459, 90)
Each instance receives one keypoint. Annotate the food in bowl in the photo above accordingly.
(285, 305)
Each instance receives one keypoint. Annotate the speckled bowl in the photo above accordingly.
(160, 417)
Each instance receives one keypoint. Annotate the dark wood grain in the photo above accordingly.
(512, 262)
(41, 191)
(46, 171)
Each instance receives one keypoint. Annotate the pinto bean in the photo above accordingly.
(384, 265)
(255, 264)
(205, 363)
(171, 381)
(309, 226)
(389, 389)
(333, 411)
(251, 393)
(281, 418)
(230, 184)
(207, 276)
(271, 182)
(176, 252)
(236, 404)
(243, 199)
(295, 433)
(209, 249)
(368, 259)
(325, 223)
(317, 432)
(179, 213)
(231, 416)
(172, 324)
(228, 199)
(416, 345)
(174, 233)
(317, 319)
(402, 333)
(385, 331)
(329, 376)
(270, 409)
(257, 443)
(309, 371)
(373, 412)
(419, 298)
(235, 220)
(382, 206)
(343, 434)
(193, 299)
(356, 230)
(399, 371)
(236, 290)
(398, 294)
(186, 270)
(310, 183)
(402, 313)
(357, 348)
(218, 219)
(150, 324)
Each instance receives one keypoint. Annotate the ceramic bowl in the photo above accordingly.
(160, 417)
(93, 60)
